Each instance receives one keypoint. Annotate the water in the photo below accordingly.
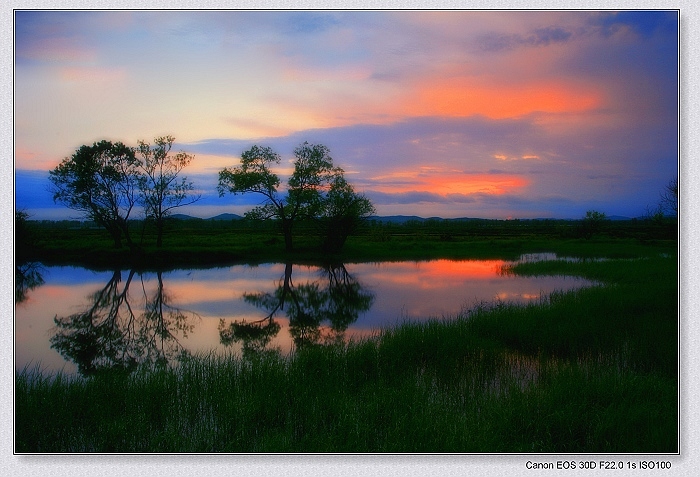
(77, 320)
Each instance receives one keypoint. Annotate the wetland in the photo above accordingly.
(467, 343)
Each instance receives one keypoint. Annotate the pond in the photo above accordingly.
(73, 319)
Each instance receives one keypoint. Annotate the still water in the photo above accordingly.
(77, 320)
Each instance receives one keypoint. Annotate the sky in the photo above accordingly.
(490, 114)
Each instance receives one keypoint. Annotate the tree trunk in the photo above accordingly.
(116, 236)
(127, 236)
(159, 233)
(287, 231)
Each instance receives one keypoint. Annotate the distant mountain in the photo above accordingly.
(226, 217)
(183, 217)
(217, 217)
(396, 219)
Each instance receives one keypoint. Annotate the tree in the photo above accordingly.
(342, 213)
(313, 175)
(669, 198)
(593, 223)
(161, 190)
(100, 181)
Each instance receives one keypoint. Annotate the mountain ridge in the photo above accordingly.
(395, 219)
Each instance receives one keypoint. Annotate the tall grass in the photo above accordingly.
(585, 372)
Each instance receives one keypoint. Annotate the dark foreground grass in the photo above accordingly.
(591, 371)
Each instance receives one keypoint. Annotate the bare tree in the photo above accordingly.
(669, 198)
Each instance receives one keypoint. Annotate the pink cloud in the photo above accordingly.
(92, 74)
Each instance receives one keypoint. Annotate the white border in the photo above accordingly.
(353, 465)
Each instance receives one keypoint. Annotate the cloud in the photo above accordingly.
(91, 75)
(496, 42)
(644, 23)
(411, 197)
(310, 22)
(576, 104)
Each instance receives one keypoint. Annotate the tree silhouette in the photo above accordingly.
(593, 223)
(669, 198)
(316, 189)
(343, 211)
(100, 181)
(162, 190)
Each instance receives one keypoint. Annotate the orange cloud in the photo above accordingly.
(473, 183)
(449, 96)
(445, 183)
(498, 100)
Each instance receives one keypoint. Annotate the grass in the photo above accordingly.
(588, 371)
(206, 243)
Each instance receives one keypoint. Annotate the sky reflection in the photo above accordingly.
(389, 292)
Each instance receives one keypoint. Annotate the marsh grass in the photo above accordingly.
(200, 242)
(587, 371)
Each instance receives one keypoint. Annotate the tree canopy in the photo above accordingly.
(106, 181)
(316, 189)
(101, 181)
(161, 188)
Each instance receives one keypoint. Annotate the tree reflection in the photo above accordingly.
(318, 311)
(27, 277)
(111, 335)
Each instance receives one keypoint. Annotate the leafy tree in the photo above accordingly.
(162, 190)
(593, 223)
(313, 177)
(342, 213)
(100, 181)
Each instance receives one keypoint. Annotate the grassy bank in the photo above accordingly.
(206, 243)
(589, 371)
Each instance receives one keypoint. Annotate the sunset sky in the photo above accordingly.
(493, 114)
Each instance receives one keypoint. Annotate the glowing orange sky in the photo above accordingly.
(445, 183)
(521, 114)
(461, 97)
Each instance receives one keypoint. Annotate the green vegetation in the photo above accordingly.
(316, 192)
(200, 242)
(106, 181)
(588, 371)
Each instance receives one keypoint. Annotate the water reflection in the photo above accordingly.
(336, 300)
(74, 319)
(28, 276)
(111, 335)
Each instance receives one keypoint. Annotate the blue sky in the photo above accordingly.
(491, 114)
